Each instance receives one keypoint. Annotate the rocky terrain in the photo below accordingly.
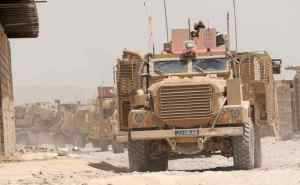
(281, 166)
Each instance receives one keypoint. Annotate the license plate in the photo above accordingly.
(187, 133)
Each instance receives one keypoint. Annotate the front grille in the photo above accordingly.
(184, 102)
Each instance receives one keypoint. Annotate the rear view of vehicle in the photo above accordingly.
(103, 130)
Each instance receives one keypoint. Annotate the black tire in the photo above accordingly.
(257, 148)
(117, 148)
(104, 145)
(243, 148)
(95, 143)
(143, 157)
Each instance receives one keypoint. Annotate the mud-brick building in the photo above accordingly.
(288, 105)
(285, 94)
(18, 19)
(296, 98)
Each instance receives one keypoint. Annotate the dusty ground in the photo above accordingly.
(281, 166)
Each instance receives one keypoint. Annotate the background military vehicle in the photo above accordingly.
(195, 98)
(103, 129)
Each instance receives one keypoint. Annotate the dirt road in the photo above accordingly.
(281, 166)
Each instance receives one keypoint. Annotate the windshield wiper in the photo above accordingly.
(158, 72)
(199, 69)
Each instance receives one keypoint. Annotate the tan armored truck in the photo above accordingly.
(104, 127)
(196, 98)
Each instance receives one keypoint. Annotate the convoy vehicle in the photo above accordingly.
(103, 128)
(196, 98)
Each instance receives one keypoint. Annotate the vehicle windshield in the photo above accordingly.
(210, 65)
(171, 67)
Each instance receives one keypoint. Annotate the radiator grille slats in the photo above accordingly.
(184, 102)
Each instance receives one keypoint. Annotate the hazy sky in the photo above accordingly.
(80, 39)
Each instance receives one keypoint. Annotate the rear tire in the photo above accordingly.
(144, 156)
(96, 143)
(117, 148)
(243, 148)
(104, 145)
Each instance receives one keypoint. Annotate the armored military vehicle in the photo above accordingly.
(104, 126)
(196, 98)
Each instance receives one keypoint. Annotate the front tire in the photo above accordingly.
(257, 149)
(243, 148)
(145, 156)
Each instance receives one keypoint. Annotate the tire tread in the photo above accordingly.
(243, 148)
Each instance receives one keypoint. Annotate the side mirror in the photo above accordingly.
(276, 64)
(221, 40)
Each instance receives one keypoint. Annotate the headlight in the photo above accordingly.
(233, 114)
(137, 118)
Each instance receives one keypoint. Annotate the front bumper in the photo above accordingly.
(180, 133)
(230, 115)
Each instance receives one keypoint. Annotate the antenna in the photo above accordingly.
(166, 19)
(235, 24)
(190, 31)
(228, 32)
(151, 44)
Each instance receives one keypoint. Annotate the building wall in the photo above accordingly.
(296, 102)
(7, 120)
(285, 91)
(294, 109)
